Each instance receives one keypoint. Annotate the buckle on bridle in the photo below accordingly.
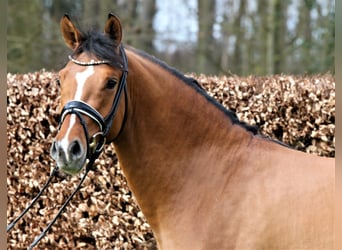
(97, 145)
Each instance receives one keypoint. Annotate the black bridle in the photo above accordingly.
(95, 144)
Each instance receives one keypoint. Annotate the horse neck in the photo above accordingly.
(170, 132)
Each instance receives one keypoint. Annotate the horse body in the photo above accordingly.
(202, 179)
(203, 182)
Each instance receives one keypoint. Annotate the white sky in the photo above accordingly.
(175, 22)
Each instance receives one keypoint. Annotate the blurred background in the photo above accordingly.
(243, 37)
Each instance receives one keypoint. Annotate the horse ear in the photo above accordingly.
(72, 36)
(113, 28)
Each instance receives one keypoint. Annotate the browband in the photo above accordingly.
(90, 63)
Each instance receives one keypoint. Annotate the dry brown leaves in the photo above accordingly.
(299, 111)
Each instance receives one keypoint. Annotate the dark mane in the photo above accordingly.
(193, 83)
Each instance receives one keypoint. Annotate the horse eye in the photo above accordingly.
(111, 84)
(58, 82)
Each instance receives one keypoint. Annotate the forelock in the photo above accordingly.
(100, 45)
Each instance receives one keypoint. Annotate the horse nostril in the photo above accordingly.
(53, 150)
(75, 148)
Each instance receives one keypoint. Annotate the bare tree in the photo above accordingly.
(206, 20)
(304, 30)
(279, 34)
(239, 42)
(145, 24)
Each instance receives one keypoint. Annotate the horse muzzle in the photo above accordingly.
(69, 153)
(70, 157)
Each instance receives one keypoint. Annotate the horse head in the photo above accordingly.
(91, 86)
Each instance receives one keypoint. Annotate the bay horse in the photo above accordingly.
(202, 178)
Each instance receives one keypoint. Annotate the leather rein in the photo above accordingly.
(95, 144)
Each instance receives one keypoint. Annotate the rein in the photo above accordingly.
(94, 146)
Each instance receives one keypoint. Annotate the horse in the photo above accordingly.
(202, 178)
